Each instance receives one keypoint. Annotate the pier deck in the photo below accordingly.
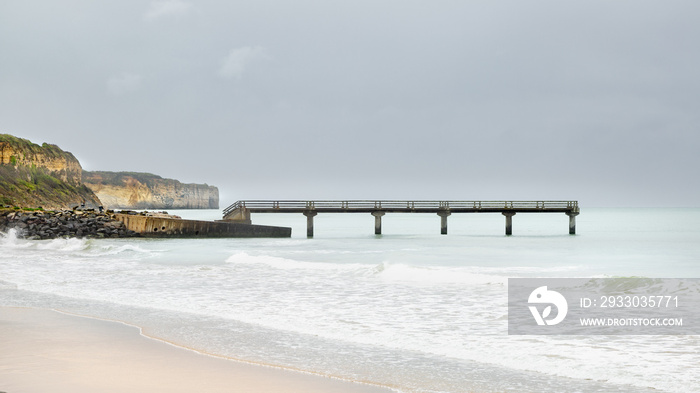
(241, 210)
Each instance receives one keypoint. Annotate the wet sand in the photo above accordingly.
(47, 351)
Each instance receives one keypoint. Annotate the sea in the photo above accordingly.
(410, 309)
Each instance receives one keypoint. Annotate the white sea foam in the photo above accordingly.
(64, 245)
(7, 285)
(124, 248)
(430, 275)
(289, 264)
(11, 239)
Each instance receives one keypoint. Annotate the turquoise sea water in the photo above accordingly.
(409, 309)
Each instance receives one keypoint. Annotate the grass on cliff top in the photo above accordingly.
(118, 178)
(30, 147)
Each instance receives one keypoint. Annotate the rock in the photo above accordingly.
(40, 225)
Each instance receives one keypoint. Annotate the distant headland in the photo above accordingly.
(46, 176)
(136, 190)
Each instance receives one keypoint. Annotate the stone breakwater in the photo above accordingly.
(37, 225)
(50, 225)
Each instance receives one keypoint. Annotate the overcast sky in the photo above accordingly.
(597, 101)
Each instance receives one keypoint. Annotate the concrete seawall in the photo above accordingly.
(174, 227)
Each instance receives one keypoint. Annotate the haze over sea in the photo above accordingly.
(409, 309)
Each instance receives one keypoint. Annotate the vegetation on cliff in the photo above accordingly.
(120, 178)
(40, 176)
(27, 149)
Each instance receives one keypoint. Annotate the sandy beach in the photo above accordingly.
(47, 351)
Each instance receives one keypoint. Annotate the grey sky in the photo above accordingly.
(590, 100)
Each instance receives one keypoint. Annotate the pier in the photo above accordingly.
(241, 210)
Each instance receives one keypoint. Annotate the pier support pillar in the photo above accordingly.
(443, 221)
(378, 222)
(310, 222)
(572, 222)
(509, 222)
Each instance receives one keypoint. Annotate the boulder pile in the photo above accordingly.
(75, 223)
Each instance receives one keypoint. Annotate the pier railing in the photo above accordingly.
(270, 206)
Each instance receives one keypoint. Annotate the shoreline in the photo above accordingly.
(49, 350)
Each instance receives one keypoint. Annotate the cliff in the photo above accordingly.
(135, 190)
(41, 176)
